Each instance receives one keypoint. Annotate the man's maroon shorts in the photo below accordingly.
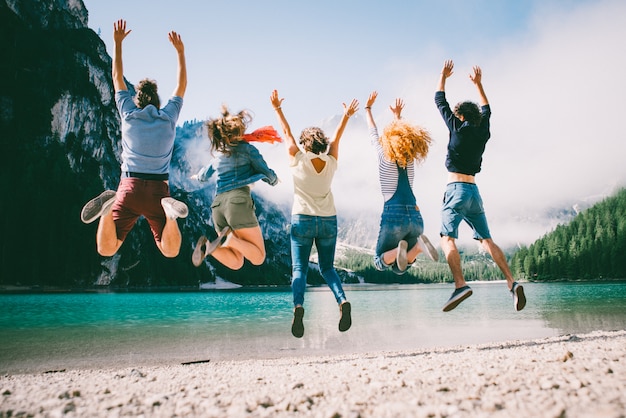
(137, 197)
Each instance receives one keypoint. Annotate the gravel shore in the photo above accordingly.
(567, 376)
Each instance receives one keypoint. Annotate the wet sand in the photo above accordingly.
(581, 375)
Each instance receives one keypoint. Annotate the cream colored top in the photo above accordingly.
(312, 194)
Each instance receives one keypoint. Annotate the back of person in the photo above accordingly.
(312, 189)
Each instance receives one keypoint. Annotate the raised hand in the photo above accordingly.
(119, 30)
(477, 76)
(397, 109)
(352, 109)
(371, 99)
(176, 40)
(447, 69)
(276, 102)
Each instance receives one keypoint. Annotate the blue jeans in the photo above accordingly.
(398, 222)
(305, 230)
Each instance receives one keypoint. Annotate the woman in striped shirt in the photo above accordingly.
(400, 238)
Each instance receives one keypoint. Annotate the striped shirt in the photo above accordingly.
(388, 170)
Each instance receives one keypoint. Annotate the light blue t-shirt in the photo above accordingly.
(147, 134)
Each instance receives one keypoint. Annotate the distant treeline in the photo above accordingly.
(476, 266)
(591, 246)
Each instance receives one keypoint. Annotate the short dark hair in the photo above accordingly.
(470, 112)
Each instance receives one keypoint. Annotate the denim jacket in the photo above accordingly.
(243, 167)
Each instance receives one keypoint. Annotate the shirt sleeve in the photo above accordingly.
(452, 122)
(124, 101)
(260, 166)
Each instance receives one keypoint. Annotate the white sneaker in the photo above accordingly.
(427, 248)
(174, 208)
(401, 260)
(97, 206)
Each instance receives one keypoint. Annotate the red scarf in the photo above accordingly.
(263, 134)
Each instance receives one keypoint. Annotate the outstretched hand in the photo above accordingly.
(176, 40)
(371, 99)
(447, 69)
(397, 109)
(352, 109)
(477, 76)
(275, 100)
(119, 30)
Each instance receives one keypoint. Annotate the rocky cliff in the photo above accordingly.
(60, 147)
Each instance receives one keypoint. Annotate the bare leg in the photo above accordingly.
(106, 236)
(171, 239)
(250, 243)
(245, 242)
(499, 258)
(453, 258)
(412, 254)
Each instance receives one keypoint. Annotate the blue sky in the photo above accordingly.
(552, 71)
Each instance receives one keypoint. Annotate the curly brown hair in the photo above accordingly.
(147, 94)
(314, 140)
(225, 132)
(470, 112)
(403, 142)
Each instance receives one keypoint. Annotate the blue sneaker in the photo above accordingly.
(519, 299)
(458, 296)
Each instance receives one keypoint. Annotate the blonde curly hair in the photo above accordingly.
(402, 142)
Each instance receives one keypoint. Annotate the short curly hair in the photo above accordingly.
(403, 142)
(314, 140)
(226, 131)
(470, 112)
(147, 94)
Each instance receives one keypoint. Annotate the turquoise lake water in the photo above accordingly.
(43, 332)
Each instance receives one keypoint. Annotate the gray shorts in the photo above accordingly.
(234, 208)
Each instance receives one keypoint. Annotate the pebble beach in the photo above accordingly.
(582, 375)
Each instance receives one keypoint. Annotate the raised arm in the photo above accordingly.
(477, 79)
(368, 109)
(177, 42)
(119, 33)
(290, 142)
(348, 111)
(397, 109)
(446, 72)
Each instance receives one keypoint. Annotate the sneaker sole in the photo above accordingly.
(297, 327)
(346, 319)
(217, 242)
(521, 298)
(401, 259)
(96, 206)
(428, 248)
(198, 255)
(454, 303)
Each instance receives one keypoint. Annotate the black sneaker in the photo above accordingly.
(519, 299)
(346, 319)
(458, 296)
(97, 206)
(297, 327)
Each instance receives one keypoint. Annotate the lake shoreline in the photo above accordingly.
(573, 375)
